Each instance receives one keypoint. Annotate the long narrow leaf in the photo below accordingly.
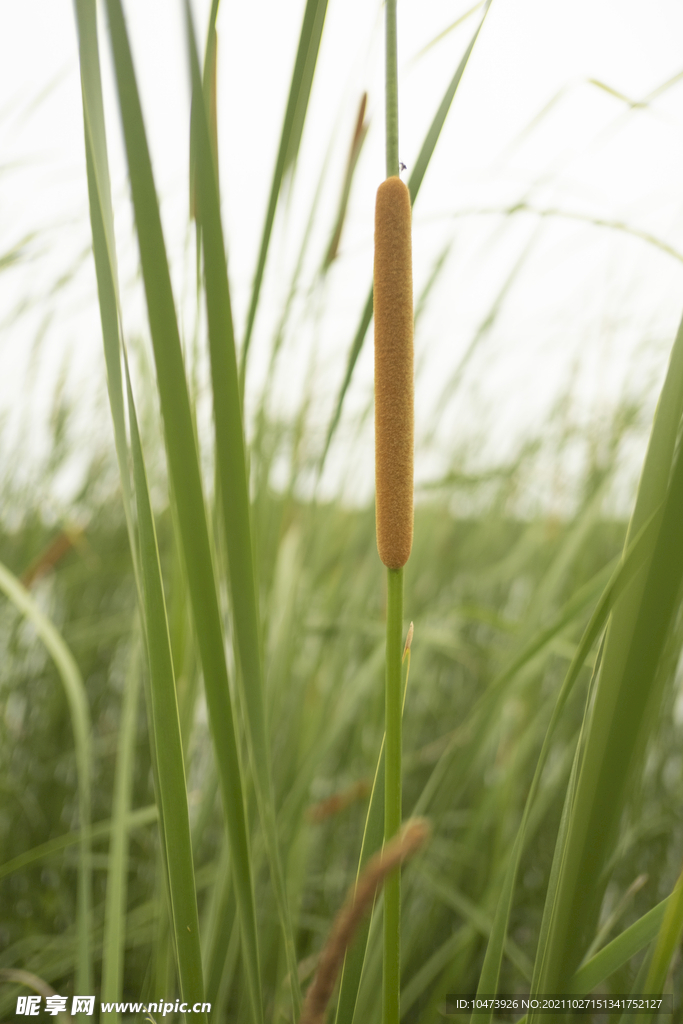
(290, 139)
(104, 248)
(625, 695)
(183, 462)
(117, 876)
(233, 479)
(416, 178)
(373, 837)
(168, 745)
(619, 951)
(667, 941)
(136, 819)
(622, 577)
(355, 956)
(80, 722)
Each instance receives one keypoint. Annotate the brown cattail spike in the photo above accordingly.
(393, 305)
(414, 834)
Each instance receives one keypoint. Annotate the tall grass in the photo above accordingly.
(211, 843)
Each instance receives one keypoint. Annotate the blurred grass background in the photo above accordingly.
(513, 548)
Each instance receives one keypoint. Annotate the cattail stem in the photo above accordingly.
(392, 796)
(391, 90)
(393, 308)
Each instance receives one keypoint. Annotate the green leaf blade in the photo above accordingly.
(184, 470)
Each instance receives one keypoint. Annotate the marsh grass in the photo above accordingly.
(470, 617)
(205, 847)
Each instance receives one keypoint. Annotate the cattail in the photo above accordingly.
(393, 306)
(415, 833)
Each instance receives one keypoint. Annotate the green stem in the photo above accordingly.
(393, 702)
(392, 795)
(391, 91)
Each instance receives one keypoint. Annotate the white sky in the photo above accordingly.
(591, 304)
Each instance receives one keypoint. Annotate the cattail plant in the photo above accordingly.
(393, 308)
(358, 902)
